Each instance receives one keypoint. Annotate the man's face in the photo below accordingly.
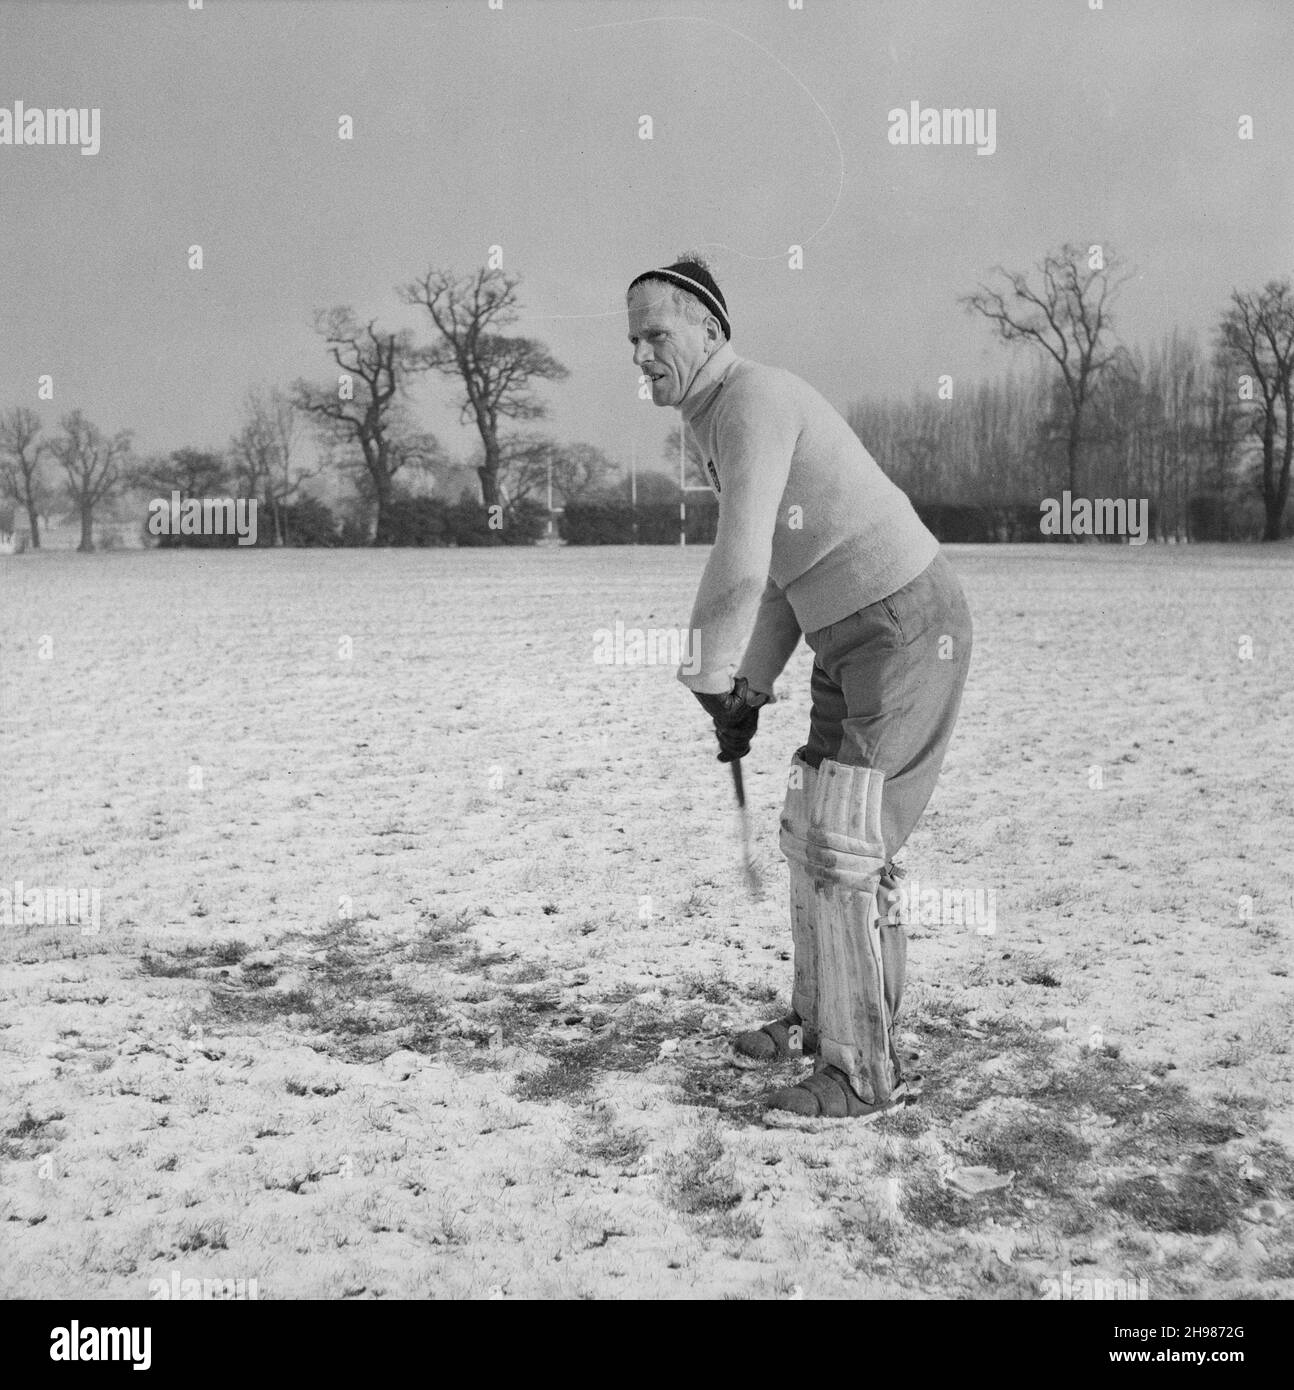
(667, 348)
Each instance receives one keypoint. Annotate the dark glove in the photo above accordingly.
(736, 717)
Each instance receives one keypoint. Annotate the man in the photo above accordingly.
(814, 539)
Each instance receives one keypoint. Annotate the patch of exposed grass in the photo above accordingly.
(441, 942)
(869, 1230)
(630, 1044)
(30, 1136)
(1189, 1204)
(186, 962)
(739, 1226)
(633, 1043)
(708, 1086)
(953, 1054)
(263, 1006)
(295, 1183)
(908, 1121)
(206, 1235)
(621, 1148)
(161, 968)
(1185, 1127)
(714, 988)
(29, 1125)
(569, 1075)
(228, 952)
(1276, 1164)
(608, 1143)
(350, 997)
(927, 1202)
(1043, 1151)
(1109, 1086)
(700, 1180)
(529, 972)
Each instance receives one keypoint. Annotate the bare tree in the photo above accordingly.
(581, 471)
(1222, 423)
(923, 445)
(365, 409)
(497, 371)
(193, 473)
(93, 463)
(1068, 318)
(1124, 430)
(1174, 381)
(190, 472)
(1143, 435)
(1257, 336)
(262, 452)
(576, 470)
(21, 453)
(411, 452)
(978, 449)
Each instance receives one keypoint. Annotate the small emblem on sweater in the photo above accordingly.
(713, 472)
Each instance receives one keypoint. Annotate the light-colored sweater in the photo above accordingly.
(810, 528)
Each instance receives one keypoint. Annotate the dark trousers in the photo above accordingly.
(887, 685)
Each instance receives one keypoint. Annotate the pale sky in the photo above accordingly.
(520, 127)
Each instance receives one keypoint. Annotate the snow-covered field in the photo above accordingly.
(419, 930)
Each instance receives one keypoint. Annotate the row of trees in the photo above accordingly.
(90, 461)
(1195, 432)
(364, 429)
(91, 467)
(364, 415)
(1205, 435)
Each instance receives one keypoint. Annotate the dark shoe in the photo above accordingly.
(827, 1094)
(772, 1042)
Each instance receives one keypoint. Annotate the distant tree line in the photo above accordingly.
(365, 435)
(1204, 435)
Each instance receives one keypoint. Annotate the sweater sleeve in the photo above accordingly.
(756, 429)
(776, 636)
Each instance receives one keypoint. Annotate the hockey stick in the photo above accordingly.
(750, 869)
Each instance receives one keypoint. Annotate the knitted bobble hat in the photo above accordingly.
(697, 280)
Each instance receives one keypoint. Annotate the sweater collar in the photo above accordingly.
(706, 383)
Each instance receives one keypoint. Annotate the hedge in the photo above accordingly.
(613, 523)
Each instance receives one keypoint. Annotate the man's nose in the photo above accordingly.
(639, 358)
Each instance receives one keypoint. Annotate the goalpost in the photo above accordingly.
(684, 489)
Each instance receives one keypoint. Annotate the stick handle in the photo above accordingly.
(738, 783)
(749, 870)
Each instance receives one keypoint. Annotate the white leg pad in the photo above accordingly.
(843, 856)
(794, 840)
